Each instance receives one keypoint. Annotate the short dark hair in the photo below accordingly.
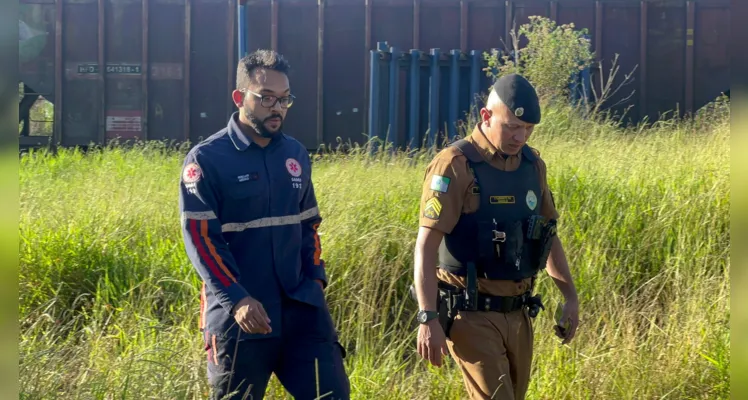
(267, 59)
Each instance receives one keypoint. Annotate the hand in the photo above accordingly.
(251, 316)
(567, 326)
(432, 343)
(321, 284)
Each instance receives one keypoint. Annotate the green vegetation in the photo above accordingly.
(109, 302)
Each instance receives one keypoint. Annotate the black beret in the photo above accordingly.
(519, 95)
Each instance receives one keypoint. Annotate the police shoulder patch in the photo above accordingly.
(440, 183)
(433, 208)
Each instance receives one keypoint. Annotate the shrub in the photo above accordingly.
(554, 54)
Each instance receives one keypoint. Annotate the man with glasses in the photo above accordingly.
(249, 222)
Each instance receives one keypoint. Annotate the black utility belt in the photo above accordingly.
(455, 297)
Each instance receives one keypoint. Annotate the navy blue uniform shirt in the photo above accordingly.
(249, 221)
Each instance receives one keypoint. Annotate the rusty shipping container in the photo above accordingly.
(147, 69)
(164, 69)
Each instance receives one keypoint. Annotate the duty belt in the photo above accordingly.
(456, 297)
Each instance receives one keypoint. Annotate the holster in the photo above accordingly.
(451, 302)
(446, 304)
(448, 310)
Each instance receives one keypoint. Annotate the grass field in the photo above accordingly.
(109, 302)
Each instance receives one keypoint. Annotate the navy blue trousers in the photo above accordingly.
(307, 359)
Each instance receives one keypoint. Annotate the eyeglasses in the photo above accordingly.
(269, 101)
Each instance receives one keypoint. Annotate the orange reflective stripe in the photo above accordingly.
(212, 249)
(201, 250)
(317, 247)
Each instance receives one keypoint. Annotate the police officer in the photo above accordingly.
(250, 223)
(488, 222)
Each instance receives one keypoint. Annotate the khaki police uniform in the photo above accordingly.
(493, 349)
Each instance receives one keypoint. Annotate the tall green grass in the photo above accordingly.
(109, 302)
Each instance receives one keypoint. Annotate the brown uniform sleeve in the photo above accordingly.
(547, 207)
(443, 193)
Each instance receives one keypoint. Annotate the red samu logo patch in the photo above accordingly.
(293, 167)
(191, 173)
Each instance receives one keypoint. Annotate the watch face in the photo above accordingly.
(421, 317)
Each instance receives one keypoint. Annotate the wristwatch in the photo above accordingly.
(426, 316)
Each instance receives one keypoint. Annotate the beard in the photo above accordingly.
(259, 125)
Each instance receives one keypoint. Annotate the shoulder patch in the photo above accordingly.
(191, 173)
(293, 167)
(433, 208)
(440, 183)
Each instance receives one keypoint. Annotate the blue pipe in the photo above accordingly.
(394, 93)
(434, 98)
(454, 94)
(374, 94)
(242, 30)
(415, 94)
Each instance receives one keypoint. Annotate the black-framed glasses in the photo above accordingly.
(269, 101)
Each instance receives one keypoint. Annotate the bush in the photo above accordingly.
(552, 59)
(553, 56)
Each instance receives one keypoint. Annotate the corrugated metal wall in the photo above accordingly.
(169, 65)
(680, 47)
